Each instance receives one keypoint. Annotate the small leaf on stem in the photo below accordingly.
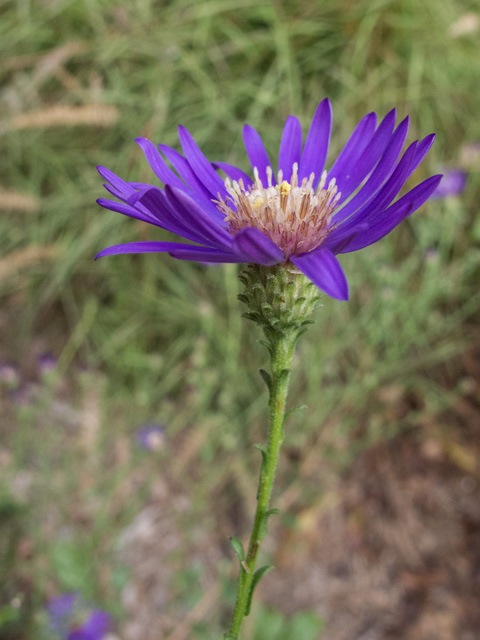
(290, 411)
(264, 523)
(257, 576)
(238, 548)
(262, 450)
(267, 378)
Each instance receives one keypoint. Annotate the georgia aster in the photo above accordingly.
(301, 217)
(72, 619)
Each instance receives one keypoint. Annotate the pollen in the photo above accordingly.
(297, 217)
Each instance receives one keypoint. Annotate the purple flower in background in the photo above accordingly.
(302, 216)
(47, 362)
(453, 183)
(151, 436)
(10, 374)
(72, 619)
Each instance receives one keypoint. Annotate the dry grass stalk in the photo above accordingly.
(60, 54)
(17, 201)
(26, 257)
(93, 115)
(55, 59)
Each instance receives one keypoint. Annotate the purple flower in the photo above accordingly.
(72, 619)
(302, 217)
(47, 362)
(151, 436)
(453, 183)
(10, 374)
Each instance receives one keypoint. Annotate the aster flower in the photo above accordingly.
(47, 362)
(452, 184)
(301, 217)
(10, 374)
(151, 436)
(72, 619)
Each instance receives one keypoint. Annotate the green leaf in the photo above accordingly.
(267, 378)
(290, 411)
(262, 450)
(306, 625)
(8, 614)
(267, 344)
(238, 548)
(301, 332)
(257, 576)
(73, 565)
(264, 523)
(251, 315)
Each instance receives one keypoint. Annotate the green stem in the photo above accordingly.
(282, 348)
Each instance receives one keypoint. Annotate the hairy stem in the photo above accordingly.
(282, 347)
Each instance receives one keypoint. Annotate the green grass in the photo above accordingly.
(167, 336)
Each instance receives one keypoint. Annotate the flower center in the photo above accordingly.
(296, 217)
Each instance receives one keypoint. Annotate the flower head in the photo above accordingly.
(453, 183)
(151, 436)
(72, 619)
(47, 362)
(300, 217)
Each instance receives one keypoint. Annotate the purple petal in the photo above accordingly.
(128, 210)
(196, 218)
(95, 628)
(200, 194)
(198, 228)
(201, 254)
(143, 247)
(324, 270)
(251, 245)
(62, 606)
(158, 164)
(256, 153)
(423, 148)
(121, 187)
(200, 165)
(386, 194)
(290, 147)
(392, 216)
(368, 158)
(336, 243)
(317, 142)
(234, 173)
(184, 170)
(380, 174)
(360, 137)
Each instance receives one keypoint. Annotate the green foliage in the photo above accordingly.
(72, 563)
(271, 624)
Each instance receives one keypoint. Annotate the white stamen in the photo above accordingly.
(297, 218)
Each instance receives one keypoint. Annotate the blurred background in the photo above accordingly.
(129, 390)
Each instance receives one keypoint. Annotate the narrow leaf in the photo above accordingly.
(267, 378)
(290, 411)
(238, 548)
(264, 523)
(266, 344)
(262, 450)
(257, 576)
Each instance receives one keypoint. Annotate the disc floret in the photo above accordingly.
(297, 217)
